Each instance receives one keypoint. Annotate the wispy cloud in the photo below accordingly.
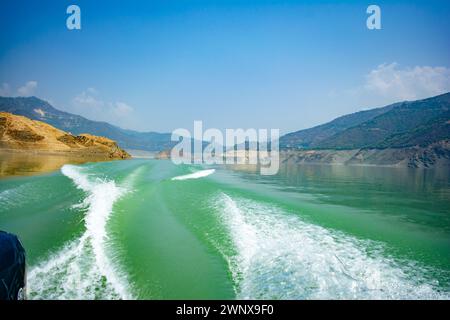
(88, 99)
(89, 104)
(28, 89)
(392, 82)
(5, 90)
(121, 109)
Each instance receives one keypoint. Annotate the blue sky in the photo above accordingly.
(160, 65)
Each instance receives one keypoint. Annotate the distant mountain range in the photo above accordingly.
(38, 109)
(400, 125)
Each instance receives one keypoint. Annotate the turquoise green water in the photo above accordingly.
(128, 230)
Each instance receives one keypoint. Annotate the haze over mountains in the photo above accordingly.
(41, 110)
(400, 125)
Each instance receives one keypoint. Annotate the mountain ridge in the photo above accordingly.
(402, 124)
(19, 133)
(399, 125)
(38, 109)
(306, 137)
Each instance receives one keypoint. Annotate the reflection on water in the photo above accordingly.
(30, 163)
(323, 179)
(419, 196)
(372, 187)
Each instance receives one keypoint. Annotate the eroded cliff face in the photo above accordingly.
(434, 155)
(18, 133)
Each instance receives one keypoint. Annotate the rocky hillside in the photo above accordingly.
(37, 109)
(310, 138)
(401, 125)
(433, 156)
(19, 133)
(407, 134)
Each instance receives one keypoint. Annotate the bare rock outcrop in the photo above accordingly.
(18, 133)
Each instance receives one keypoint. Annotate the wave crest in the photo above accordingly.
(83, 269)
(195, 175)
(276, 255)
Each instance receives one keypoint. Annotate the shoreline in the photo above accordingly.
(17, 163)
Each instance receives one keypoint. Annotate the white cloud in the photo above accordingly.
(88, 99)
(92, 90)
(122, 109)
(391, 82)
(5, 90)
(89, 104)
(28, 89)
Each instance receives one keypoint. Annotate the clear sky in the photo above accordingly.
(160, 65)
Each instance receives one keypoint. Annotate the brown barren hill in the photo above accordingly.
(18, 133)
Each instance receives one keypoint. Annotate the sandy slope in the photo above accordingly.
(19, 133)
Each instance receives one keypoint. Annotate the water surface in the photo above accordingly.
(148, 229)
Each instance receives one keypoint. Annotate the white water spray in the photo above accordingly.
(278, 256)
(195, 175)
(83, 269)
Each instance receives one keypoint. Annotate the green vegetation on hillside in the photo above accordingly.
(405, 124)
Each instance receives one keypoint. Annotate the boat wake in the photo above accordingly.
(83, 269)
(195, 175)
(275, 255)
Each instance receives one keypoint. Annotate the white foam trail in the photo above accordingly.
(83, 267)
(275, 255)
(195, 175)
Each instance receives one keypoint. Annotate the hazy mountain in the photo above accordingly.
(404, 124)
(38, 109)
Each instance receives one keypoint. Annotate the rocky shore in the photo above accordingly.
(433, 156)
(23, 135)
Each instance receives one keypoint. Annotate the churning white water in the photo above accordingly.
(83, 269)
(279, 256)
(195, 175)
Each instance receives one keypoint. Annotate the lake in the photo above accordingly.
(129, 230)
